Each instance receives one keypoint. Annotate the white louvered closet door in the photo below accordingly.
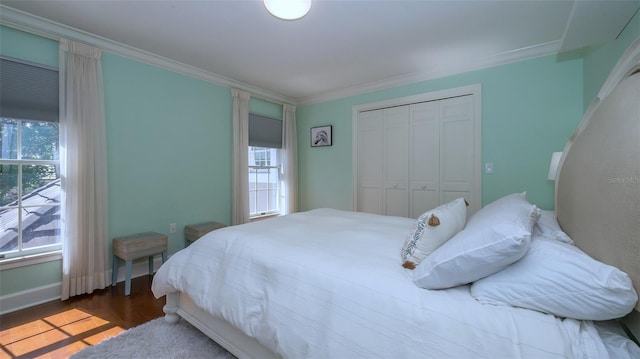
(424, 158)
(369, 166)
(396, 161)
(413, 158)
(457, 149)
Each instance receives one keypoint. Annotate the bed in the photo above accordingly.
(332, 284)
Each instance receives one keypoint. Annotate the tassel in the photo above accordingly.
(409, 265)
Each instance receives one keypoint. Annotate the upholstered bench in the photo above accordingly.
(194, 231)
(139, 245)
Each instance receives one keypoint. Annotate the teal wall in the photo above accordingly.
(266, 108)
(21, 45)
(29, 277)
(529, 110)
(169, 150)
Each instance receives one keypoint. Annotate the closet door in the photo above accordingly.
(369, 158)
(396, 161)
(413, 158)
(457, 147)
(424, 157)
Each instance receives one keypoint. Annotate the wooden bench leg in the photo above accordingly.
(127, 279)
(114, 274)
(150, 265)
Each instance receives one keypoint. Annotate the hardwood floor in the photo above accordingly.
(58, 329)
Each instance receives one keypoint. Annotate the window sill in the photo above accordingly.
(17, 262)
(264, 216)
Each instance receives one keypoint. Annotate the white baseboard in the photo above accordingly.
(28, 298)
(46, 293)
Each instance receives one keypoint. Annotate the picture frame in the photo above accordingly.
(321, 136)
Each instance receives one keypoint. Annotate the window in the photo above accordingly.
(265, 142)
(29, 187)
(29, 160)
(261, 156)
(264, 181)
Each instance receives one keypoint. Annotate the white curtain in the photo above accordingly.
(83, 160)
(290, 159)
(240, 181)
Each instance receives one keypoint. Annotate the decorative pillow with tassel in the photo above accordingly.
(431, 230)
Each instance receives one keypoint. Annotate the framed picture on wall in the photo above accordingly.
(321, 136)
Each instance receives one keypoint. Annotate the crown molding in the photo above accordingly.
(504, 58)
(50, 29)
(53, 30)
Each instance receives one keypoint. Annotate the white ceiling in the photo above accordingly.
(340, 47)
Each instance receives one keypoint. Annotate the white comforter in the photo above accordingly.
(329, 284)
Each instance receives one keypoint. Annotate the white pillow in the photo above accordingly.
(560, 279)
(496, 236)
(548, 226)
(510, 208)
(431, 230)
(615, 340)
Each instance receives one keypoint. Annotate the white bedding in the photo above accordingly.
(329, 284)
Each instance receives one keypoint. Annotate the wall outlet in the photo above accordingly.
(172, 228)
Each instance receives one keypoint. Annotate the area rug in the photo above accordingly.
(157, 339)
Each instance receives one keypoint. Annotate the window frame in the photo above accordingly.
(255, 170)
(38, 251)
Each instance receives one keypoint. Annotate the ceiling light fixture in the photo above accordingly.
(288, 9)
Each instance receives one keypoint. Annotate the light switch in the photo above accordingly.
(488, 167)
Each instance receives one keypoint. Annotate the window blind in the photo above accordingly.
(265, 131)
(28, 92)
